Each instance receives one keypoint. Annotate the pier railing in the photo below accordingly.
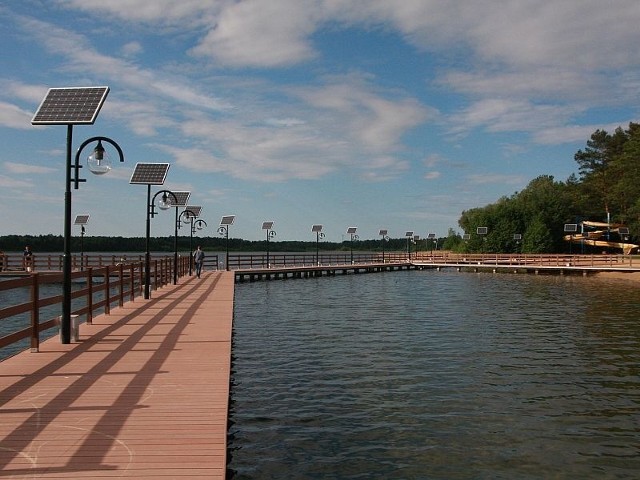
(541, 260)
(277, 260)
(15, 262)
(94, 290)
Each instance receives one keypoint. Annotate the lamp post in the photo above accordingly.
(99, 163)
(268, 226)
(164, 204)
(482, 231)
(431, 237)
(182, 198)
(383, 234)
(82, 221)
(198, 224)
(225, 223)
(409, 236)
(151, 174)
(517, 237)
(318, 230)
(74, 106)
(190, 213)
(571, 229)
(189, 216)
(352, 232)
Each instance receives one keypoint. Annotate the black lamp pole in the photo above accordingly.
(319, 235)
(224, 230)
(353, 237)
(175, 250)
(270, 234)
(384, 239)
(151, 212)
(65, 321)
(81, 247)
(189, 215)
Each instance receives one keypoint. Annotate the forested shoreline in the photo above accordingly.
(54, 243)
(607, 189)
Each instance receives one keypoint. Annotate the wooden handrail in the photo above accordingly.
(123, 280)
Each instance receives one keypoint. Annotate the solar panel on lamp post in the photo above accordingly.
(517, 237)
(383, 233)
(409, 235)
(190, 213)
(225, 223)
(352, 231)
(74, 106)
(181, 201)
(482, 231)
(81, 220)
(268, 226)
(431, 237)
(571, 229)
(318, 230)
(168, 198)
(150, 174)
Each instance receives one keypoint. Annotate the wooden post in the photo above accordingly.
(90, 295)
(35, 313)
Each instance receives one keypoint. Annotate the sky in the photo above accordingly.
(375, 114)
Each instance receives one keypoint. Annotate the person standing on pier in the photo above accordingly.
(28, 258)
(198, 259)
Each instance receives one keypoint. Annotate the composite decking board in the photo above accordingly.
(143, 394)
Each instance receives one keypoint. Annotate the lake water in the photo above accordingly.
(436, 375)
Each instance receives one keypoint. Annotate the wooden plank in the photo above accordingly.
(143, 394)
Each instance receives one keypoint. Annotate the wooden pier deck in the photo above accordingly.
(143, 394)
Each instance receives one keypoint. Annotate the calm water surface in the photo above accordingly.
(436, 375)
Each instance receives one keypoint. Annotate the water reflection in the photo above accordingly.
(436, 375)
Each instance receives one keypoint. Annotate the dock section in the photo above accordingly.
(143, 394)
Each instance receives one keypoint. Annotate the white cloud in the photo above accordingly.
(375, 122)
(506, 115)
(491, 178)
(162, 11)
(572, 133)
(14, 117)
(22, 168)
(261, 34)
(12, 183)
(132, 49)
(433, 160)
(83, 57)
(530, 65)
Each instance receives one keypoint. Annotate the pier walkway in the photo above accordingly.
(143, 394)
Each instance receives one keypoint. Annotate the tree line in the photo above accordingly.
(606, 189)
(55, 243)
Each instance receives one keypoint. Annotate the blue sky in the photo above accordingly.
(367, 113)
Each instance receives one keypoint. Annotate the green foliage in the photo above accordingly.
(608, 189)
(453, 241)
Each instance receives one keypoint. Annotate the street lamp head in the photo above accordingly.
(99, 161)
(165, 202)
